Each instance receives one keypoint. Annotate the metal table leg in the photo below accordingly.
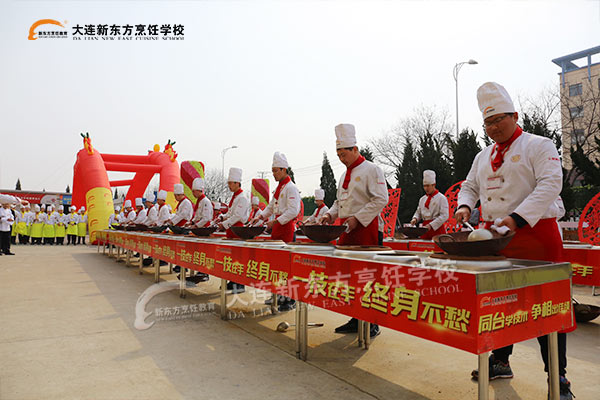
(274, 305)
(303, 331)
(127, 258)
(170, 268)
(119, 254)
(141, 263)
(483, 380)
(298, 323)
(594, 291)
(182, 283)
(361, 333)
(104, 248)
(224, 299)
(367, 334)
(156, 263)
(554, 386)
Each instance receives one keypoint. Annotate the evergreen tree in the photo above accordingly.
(328, 183)
(291, 174)
(431, 155)
(463, 151)
(367, 153)
(18, 185)
(409, 180)
(309, 205)
(68, 189)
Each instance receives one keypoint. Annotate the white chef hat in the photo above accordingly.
(36, 208)
(139, 202)
(4, 199)
(494, 99)
(150, 197)
(279, 160)
(255, 201)
(198, 184)
(178, 188)
(72, 208)
(319, 194)
(43, 207)
(428, 177)
(127, 204)
(61, 208)
(162, 195)
(82, 209)
(235, 175)
(117, 208)
(345, 136)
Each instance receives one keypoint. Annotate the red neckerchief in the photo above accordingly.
(319, 209)
(355, 164)
(236, 194)
(184, 199)
(198, 200)
(282, 183)
(429, 197)
(502, 148)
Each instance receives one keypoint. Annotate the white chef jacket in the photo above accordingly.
(185, 210)
(152, 215)
(365, 197)
(6, 219)
(528, 182)
(287, 207)
(114, 219)
(74, 218)
(140, 218)
(21, 217)
(29, 217)
(204, 213)
(131, 216)
(238, 212)
(437, 212)
(61, 218)
(44, 218)
(83, 219)
(317, 214)
(164, 215)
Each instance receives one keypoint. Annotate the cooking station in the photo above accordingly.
(470, 304)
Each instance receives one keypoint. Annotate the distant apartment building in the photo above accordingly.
(580, 101)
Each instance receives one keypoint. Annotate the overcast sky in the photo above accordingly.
(265, 76)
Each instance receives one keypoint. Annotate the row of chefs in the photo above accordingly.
(517, 180)
(48, 224)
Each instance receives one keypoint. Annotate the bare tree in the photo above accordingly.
(216, 185)
(388, 148)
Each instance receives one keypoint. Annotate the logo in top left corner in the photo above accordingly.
(48, 29)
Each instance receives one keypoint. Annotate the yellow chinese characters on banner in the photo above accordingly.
(582, 270)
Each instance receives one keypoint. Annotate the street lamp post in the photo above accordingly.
(223, 159)
(455, 72)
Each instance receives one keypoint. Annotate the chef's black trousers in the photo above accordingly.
(503, 353)
(23, 239)
(5, 241)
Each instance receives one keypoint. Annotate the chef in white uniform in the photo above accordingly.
(361, 196)
(7, 220)
(141, 213)
(517, 180)
(432, 211)
(115, 218)
(164, 214)
(255, 211)
(130, 213)
(321, 209)
(203, 209)
(185, 210)
(152, 210)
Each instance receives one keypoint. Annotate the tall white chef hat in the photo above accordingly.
(82, 209)
(150, 197)
(162, 195)
(279, 160)
(4, 199)
(43, 207)
(235, 175)
(255, 201)
(117, 208)
(428, 177)
(178, 188)
(61, 208)
(72, 208)
(127, 204)
(198, 184)
(345, 136)
(36, 208)
(319, 194)
(494, 99)
(139, 202)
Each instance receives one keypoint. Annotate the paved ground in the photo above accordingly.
(67, 332)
